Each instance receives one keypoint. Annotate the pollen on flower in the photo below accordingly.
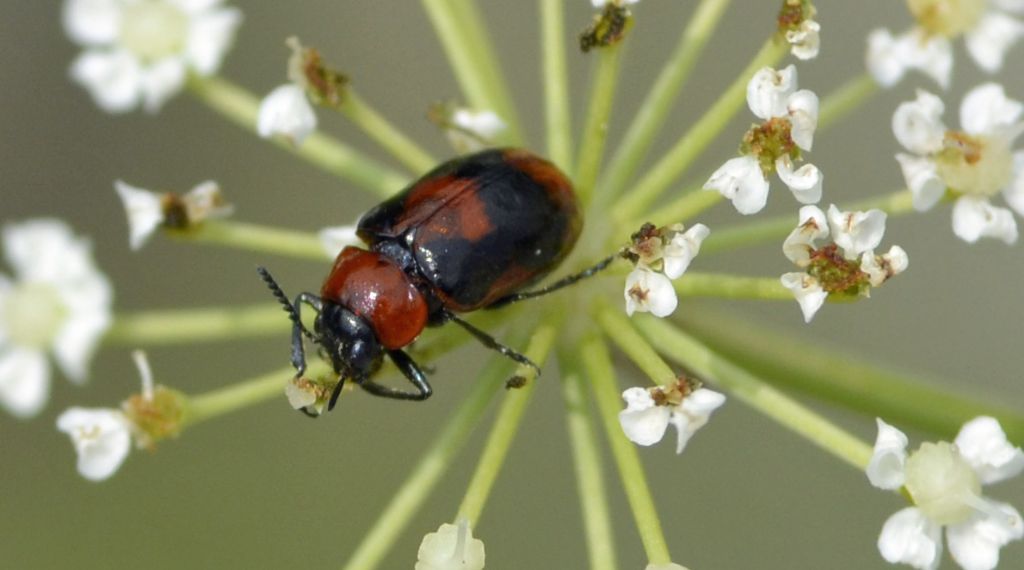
(306, 68)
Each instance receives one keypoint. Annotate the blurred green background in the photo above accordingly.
(267, 488)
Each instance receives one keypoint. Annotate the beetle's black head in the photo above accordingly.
(348, 341)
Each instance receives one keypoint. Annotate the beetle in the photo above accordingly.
(468, 235)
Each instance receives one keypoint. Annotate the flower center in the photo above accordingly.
(948, 18)
(153, 29)
(33, 314)
(976, 165)
(942, 483)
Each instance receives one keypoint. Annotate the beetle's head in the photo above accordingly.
(348, 341)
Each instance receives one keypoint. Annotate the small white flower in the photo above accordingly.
(336, 238)
(141, 52)
(471, 131)
(856, 232)
(102, 439)
(649, 291)
(805, 41)
(601, 3)
(804, 182)
(644, 421)
(974, 164)
(148, 210)
(880, 268)
(681, 250)
(807, 291)
(813, 226)
(59, 303)
(944, 480)
(889, 58)
(451, 548)
(742, 181)
(286, 112)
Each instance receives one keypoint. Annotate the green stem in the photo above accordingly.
(838, 104)
(427, 472)
(586, 457)
(618, 328)
(197, 325)
(650, 117)
(222, 401)
(253, 237)
(404, 149)
(331, 155)
(731, 287)
(595, 128)
(601, 374)
(752, 233)
(461, 30)
(693, 142)
(840, 378)
(558, 117)
(506, 426)
(753, 390)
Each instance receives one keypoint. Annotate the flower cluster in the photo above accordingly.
(973, 165)
(684, 404)
(660, 255)
(148, 211)
(797, 25)
(846, 267)
(944, 481)
(790, 118)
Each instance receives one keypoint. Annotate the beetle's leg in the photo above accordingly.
(563, 282)
(298, 329)
(492, 343)
(411, 371)
(336, 393)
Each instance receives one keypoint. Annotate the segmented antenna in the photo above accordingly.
(283, 299)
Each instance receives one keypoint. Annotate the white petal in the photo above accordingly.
(642, 421)
(991, 38)
(805, 182)
(451, 548)
(922, 178)
(1014, 192)
(918, 124)
(669, 566)
(77, 342)
(769, 90)
(24, 381)
(808, 293)
(37, 249)
(114, 79)
(983, 444)
(473, 130)
(975, 543)
(101, 438)
(909, 537)
(145, 212)
(800, 242)
(286, 112)
(161, 81)
(929, 53)
(196, 7)
(209, 38)
(884, 58)
(682, 249)
(337, 238)
(885, 469)
(880, 268)
(693, 413)
(856, 232)
(802, 107)
(805, 42)
(742, 181)
(206, 201)
(92, 22)
(975, 218)
(986, 110)
(649, 291)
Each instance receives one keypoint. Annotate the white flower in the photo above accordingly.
(649, 291)
(286, 112)
(451, 548)
(148, 210)
(856, 232)
(141, 52)
(944, 481)
(987, 26)
(974, 164)
(800, 243)
(880, 268)
(644, 421)
(681, 250)
(790, 119)
(102, 439)
(601, 3)
(669, 566)
(336, 238)
(471, 131)
(807, 291)
(59, 303)
(805, 41)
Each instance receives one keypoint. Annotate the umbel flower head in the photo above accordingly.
(140, 52)
(974, 164)
(660, 255)
(58, 303)
(944, 481)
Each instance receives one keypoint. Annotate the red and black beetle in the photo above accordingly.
(465, 236)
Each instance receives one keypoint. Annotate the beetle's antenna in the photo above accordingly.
(283, 299)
